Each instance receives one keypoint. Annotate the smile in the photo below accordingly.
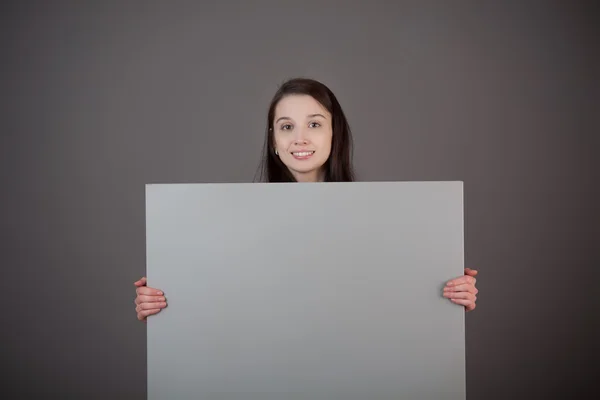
(302, 155)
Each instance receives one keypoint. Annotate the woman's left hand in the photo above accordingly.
(462, 290)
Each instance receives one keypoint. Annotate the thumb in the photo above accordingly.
(471, 272)
(141, 282)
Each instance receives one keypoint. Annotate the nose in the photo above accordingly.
(300, 138)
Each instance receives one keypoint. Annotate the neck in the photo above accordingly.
(312, 176)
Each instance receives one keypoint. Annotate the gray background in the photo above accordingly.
(320, 292)
(100, 98)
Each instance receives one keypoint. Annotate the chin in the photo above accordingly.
(304, 169)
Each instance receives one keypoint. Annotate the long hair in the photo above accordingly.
(338, 167)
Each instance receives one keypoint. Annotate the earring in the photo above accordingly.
(276, 152)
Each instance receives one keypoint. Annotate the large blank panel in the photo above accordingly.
(305, 291)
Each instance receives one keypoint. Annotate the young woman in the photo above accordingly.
(308, 139)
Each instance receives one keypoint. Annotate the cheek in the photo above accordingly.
(325, 142)
(279, 141)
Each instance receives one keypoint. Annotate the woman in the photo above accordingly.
(308, 139)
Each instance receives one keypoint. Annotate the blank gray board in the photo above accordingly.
(305, 291)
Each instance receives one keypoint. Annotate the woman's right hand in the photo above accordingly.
(148, 301)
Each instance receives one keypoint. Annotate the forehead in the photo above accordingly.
(299, 106)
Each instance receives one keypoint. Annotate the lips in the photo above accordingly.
(302, 153)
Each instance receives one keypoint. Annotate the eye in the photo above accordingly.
(314, 125)
(286, 127)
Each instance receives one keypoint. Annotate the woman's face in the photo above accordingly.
(302, 132)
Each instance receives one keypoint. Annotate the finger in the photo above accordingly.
(470, 305)
(148, 299)
(144, 306)
(462, 280)
(143, 314)
(149, 306)
(140, 282)
(149, 291)
(462, 288)
(458, 295)
(471, 272)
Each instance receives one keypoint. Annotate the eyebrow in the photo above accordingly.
(309, 116)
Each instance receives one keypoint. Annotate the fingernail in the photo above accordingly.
(160, 293)
(161, 299)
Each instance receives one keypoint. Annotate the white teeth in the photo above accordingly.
(303, 153)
